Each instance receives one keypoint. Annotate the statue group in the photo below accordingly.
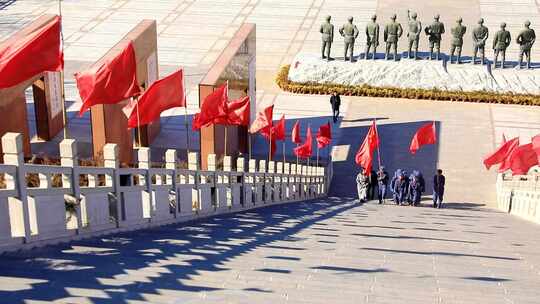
(393, 32)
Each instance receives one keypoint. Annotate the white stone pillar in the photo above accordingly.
(15, 214)
(229, 191)
(68, 158)
(110, 160)
(193, 165)
(148, 203)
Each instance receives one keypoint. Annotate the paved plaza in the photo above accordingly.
(325, 251)
(329, 251)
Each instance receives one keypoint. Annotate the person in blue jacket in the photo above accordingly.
(382, 181)
(416, 187)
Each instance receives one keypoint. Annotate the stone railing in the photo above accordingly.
(520, 196)
(73, 202)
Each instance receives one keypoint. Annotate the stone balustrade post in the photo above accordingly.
(214, 193)
(170, 163)
(143, 157)
(227, 167)
(69, 158)
(271, 188)
(18, 207)
(111, 160)
(193, 165)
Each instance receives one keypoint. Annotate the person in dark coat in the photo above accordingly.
(335, 101)
(416, 188)
(438, 189)
(399, 187)
(372, 185)
(393, 185)
(382, 181)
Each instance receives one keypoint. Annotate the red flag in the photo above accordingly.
(305, 150)
(213, 107)
(424, 136)
(263, 120)
(536, 145)
(39, 51)
(522, 159)
(324, 136)
(163, 94)
(113, 81)
(501, 154)
(364, 156)
(277, 130)
(237, 113)
(295, 136)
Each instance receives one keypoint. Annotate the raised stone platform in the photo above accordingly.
(411, 74)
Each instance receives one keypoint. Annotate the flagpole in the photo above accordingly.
(317, 156)
(138, 122)
(378, 144)
(225, 148)
(62, 89)
(297, 159)
(185, 112)
(270, 146)
(249, 144)
(284, 158)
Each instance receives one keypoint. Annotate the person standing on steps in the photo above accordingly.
(362, 183)
(335, 101)
(438, 189)
(382, 180)
(372, 185)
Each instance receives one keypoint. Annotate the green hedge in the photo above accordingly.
(283, 82)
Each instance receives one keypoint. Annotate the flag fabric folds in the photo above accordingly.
(163, 94)
(522, 159)
(263, 120)
(424, 136)
(276, 132)
(295, 135)
(305, 150)
(39, 51)
(536, 146)
(237, 113)
(364, 156)
(213, 107)
(113, 81)
(324, 136)
(501, 153)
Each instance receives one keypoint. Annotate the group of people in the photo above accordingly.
(405, 188)
(434, 31)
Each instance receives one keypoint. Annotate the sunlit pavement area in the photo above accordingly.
(327, 251)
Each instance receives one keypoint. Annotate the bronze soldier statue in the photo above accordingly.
(458, 32)
(501, 41)
(526, 39)
(372, 36)
(327, 31)
(392, 33)
(480, 34)
(349, 31)
(415, 28)
(435, 31)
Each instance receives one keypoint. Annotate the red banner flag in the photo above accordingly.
(522, 159)
(295, 135)
(324, 136)
(263, 120)
(501, 154)
(163, 94)
(364, 156)
(113, 81)
(424, 136)
(277, 130)
(39, 51)
(213, 107)
(305, 150)
(536, 145)
(237, 113)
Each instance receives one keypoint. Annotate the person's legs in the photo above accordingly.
(435, 199)
(328, 48)
(440, 197)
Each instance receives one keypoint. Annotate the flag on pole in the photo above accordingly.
(501, 153)
(295, 135)
(536, 145)
(424, 136)
(275, 133)
(237, 113)
(305, 150)
(37, 52)
(263, 120)
(364, 156)
(162, 95)
(324, 136)
(213, 107)
(113, 81)
(522, 159)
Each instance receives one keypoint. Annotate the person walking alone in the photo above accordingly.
(335, 101)
(438, 189)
